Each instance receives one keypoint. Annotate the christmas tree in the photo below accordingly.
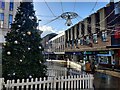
(22, 52)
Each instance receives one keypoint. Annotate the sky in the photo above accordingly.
(47, 11)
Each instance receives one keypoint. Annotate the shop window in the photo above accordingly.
(11, 6)
(1, 20)
(87, 40)
(95, 38)
(2, 4)
(10, 20)
(104, 36)
(103, 59)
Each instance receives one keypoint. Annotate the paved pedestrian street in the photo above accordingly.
(104, 81)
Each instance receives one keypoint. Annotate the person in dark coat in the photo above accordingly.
(92, 67)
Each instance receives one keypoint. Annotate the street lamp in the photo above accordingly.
(40, 32)
(38, 22)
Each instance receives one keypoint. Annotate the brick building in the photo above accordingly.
(95, 37)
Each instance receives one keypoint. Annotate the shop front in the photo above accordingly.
(105, 58)
(89, 56)
(74, 56)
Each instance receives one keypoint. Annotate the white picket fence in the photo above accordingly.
(64, 82)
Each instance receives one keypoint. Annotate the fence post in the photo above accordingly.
(1, 83)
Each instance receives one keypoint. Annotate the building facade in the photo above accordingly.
(45, 43)
(57, 47)
(7, 14)
(92, 38)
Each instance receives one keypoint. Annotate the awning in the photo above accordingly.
(48, 52)
(59, 52)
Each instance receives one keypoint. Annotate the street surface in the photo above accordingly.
(104, 81)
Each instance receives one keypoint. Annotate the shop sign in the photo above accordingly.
(103, 52)
(74, 53)
(89, 52)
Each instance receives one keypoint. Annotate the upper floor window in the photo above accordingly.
(72, 42)
(104, 36)
(68, 43)
(10, 20)
(95, 38)
(76, 42)
(81, 41)
(2, 4)
(1, 20)
(11, 6)
(87, 40)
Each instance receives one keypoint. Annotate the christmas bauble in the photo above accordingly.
(16, 42)
(8, 52)
(29, 33)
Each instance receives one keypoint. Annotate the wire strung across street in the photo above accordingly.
(49, 9)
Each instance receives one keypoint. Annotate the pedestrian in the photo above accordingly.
(92, 67)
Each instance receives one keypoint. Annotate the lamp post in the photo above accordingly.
(39, 22)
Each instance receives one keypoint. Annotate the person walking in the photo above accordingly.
(92, 67)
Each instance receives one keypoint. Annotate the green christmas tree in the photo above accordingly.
(22, 52)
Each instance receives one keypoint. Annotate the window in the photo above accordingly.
(10, 20)
(104, 36)
(76, 42)
(95, 38)
(68, 43)
(11, 6)
(81, 41)
(72, 43)
(87, 40)
(1, 20)
(117, 8)
(2, 4)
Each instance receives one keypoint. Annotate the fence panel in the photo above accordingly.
(77, 81)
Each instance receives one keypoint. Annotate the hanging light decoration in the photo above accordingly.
(68, 16)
